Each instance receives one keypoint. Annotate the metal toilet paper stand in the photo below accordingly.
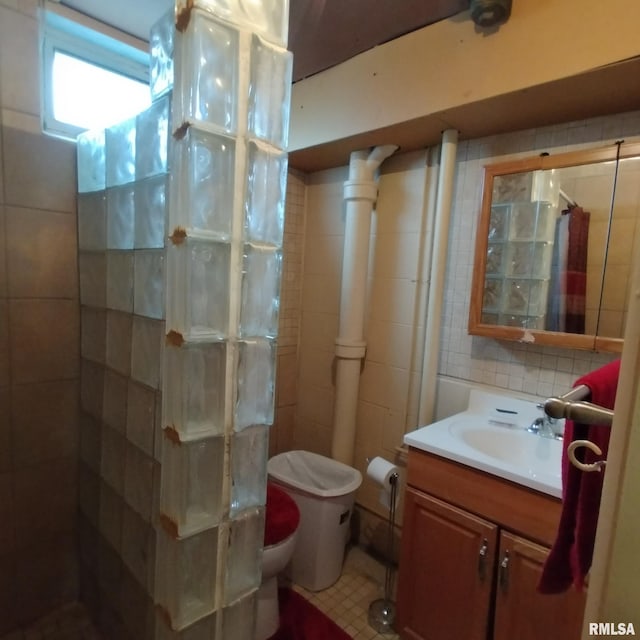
(382, 612)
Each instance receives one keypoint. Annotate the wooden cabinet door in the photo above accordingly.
(523, 613)
(446, 571)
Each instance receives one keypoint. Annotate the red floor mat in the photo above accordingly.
(300, 620)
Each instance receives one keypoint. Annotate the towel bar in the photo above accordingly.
(571, 405)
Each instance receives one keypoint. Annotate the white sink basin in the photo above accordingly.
(513, 446)
(510, 452)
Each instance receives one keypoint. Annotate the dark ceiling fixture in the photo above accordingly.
(489, 13)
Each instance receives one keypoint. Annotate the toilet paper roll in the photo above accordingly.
(381, 470)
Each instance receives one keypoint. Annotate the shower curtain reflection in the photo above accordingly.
(568, 284)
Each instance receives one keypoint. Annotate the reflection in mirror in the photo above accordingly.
(623, 245)
(555, 242)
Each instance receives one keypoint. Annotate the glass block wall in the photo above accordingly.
(181, 217)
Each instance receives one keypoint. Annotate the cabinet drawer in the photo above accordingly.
(509, 505)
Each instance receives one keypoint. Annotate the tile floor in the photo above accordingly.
(346, 603)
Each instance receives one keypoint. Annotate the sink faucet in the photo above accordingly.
(545, 426)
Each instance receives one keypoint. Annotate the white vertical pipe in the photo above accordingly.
(438, 268)
(423, 278)
(360, 194)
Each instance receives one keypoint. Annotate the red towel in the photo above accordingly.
(570, 557)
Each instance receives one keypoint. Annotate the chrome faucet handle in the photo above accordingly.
(545, 426)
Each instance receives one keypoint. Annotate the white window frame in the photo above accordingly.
(61, 34)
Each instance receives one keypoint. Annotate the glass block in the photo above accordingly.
(489, 318)
(112, 458)
(120, 153)
(93, 278)
(92, 221)
(118, 354)
(148, 290)
(198, 289)
(147, 341)
(91, 161)
(545, 186)
(270, 18)
(152, 139)
(191, 486)
(512, 187)
(120, 217)
(499, 223)
(186, 576)
(114, 407)
(204, 629)
(239, 619)
(93, 333)
(261, 269)
(249, 453)
(532, 221)
(120, 280)
(202, 183)
(110, 510)
(244, 553)
(492, 294)
(91, 388)
(151, 212)
(256, 383)
(495, 258)
(207, 56)
(161, 41)
(269, 92)
(527, 297)
(141, 408)
(522, 321)
(138, 482)
(529, 259)
(195, 409)
(265, 194)
(138, 547)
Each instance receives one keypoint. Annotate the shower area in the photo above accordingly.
(139, 382)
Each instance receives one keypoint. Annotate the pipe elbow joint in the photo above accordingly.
(379, 154)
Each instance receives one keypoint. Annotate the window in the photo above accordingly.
(89, 80)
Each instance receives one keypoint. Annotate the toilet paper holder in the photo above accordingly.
(382, 612)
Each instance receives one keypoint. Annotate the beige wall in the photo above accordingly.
(624, 246)
(282, 431)
(39, 340)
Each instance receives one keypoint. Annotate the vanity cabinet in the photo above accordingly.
(473, 547)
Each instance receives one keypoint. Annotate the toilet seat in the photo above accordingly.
(282, 516)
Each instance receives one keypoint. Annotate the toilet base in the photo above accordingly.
(268, 614)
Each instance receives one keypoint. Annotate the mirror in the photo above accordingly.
(555, 242)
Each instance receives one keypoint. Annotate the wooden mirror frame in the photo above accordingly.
(535, 336)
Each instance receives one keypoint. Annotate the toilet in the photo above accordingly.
(282, 518)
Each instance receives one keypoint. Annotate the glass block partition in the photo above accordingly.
(181, 217)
